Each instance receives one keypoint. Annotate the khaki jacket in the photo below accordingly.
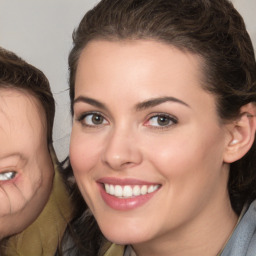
(115, 250)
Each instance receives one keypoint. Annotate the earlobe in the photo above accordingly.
(242, 133)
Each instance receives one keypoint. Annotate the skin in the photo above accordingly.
(25, 152)
(190, 214)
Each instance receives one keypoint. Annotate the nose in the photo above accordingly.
(121, 151)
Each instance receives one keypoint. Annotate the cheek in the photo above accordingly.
(169, 154)
(32, 181)
(84, 153)
(33, 175)
(16, 194)
(190, 174)
(185, 156)
(12, 199)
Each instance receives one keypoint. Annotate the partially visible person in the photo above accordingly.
(35, 206)
(163, 149)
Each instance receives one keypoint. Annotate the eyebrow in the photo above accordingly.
(139, 107)
(90, 101)
(157, 101)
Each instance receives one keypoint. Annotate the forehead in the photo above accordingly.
(154, 66)
(137, 56)
(20, 111)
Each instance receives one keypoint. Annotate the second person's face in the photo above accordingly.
(147, 145)
(26, 170)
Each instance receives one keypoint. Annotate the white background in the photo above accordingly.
(40, 32)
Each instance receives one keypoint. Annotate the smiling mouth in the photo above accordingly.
(4, 176)
(129, 191)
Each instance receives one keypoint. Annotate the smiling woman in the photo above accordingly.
(163, 139)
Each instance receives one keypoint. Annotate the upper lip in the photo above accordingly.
(124, 181)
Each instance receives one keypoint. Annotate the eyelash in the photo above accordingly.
(171, 119)
(83, 116)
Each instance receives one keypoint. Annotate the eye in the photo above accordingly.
(7, 175)
(92, 119)
(161, 121)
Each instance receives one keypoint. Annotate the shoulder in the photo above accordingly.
(243, 239)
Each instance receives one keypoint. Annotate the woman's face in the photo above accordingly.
(25, 182)
(147, 146)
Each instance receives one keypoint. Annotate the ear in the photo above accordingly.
(241, 134)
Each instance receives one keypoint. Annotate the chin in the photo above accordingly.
(123, 235)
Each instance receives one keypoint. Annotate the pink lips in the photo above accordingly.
(123, 204)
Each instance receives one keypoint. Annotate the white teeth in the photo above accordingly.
(144, 190)
(151, 189)
(107, 188)
(128, 191)
(112, 190)
(118, 191)
(136, 190)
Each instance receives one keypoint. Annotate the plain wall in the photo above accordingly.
(40, 32)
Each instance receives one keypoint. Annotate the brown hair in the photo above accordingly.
(212, 29)
(15, 73)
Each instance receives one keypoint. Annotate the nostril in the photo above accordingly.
(127, 164)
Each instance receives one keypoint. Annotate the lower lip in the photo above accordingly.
(124, 204)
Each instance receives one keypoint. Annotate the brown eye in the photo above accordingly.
(161, 120)
(97, 119)
(92, 119)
